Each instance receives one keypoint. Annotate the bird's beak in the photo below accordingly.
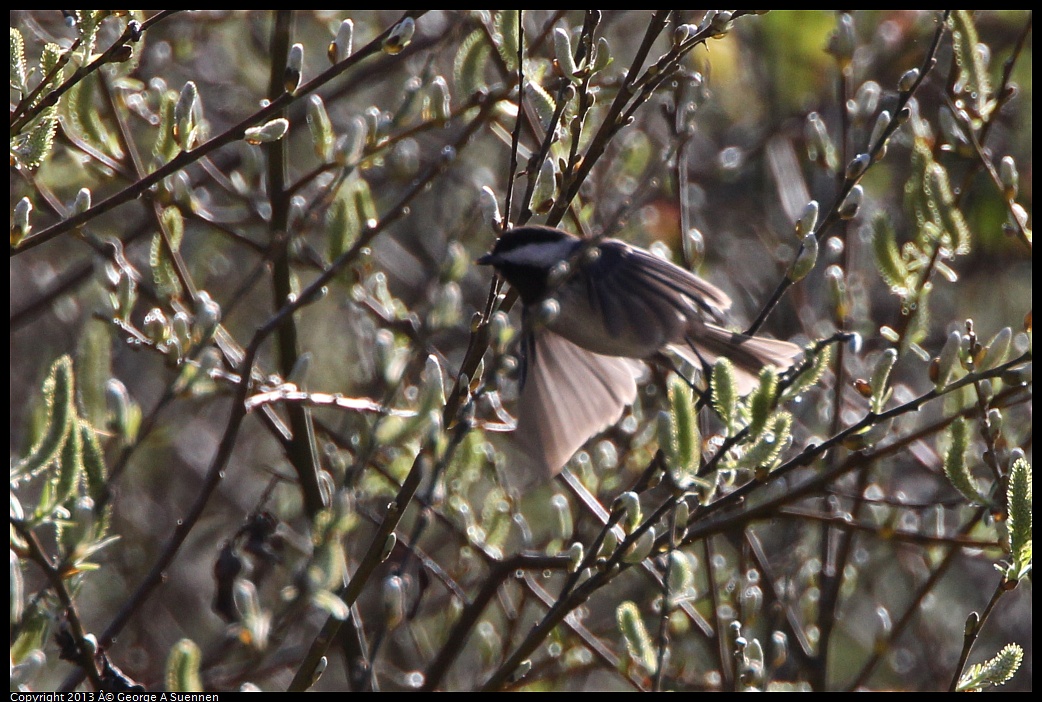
(486, 260)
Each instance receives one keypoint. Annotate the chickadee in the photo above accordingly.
(588, 316)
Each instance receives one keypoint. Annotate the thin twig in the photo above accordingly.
(56, 577)
(305, 675)
(469, 617)
(832, 216)
(972, 632)
(27, 110)
(229, 136)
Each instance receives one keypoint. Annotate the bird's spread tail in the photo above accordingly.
(749, 354)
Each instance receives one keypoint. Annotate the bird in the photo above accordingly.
(593, 311)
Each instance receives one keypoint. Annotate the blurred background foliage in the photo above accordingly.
(159, 537)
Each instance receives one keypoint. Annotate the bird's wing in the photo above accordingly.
(643, 301)
(568, 394)
(641, 282)
(619, 262)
